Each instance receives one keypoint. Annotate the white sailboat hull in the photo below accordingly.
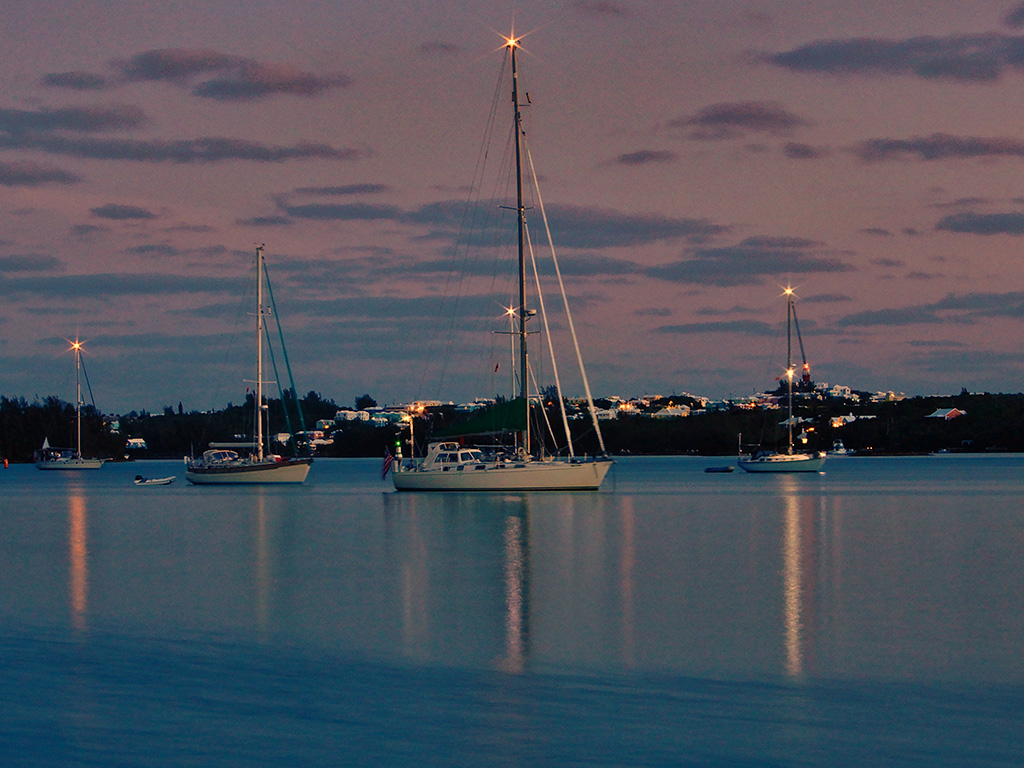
(782, 462)
(73, 463)
(245, 472)
(523, 476)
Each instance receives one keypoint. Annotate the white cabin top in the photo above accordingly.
(446, 454)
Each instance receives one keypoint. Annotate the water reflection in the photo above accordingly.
(78, 553)
(801, 573)
(464, 575)
(516, 596)
(532, 577)
(414, 587)
(793, 595)
(627, 569)
(262, 575)
(516, 581)
(896, 614)
(705, 575)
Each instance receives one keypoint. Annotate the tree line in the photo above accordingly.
(993, 422)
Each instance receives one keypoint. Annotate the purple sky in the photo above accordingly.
(695, 158)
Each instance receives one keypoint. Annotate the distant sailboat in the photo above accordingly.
(67, 458)
(790, 460)
(449, 466)
(221, 465)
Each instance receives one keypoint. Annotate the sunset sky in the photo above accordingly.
(694, 157)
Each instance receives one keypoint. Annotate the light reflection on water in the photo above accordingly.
(515, 597)
(854, 607)
(262, 574)
(78, 551)
(673, 571)
(792, 555)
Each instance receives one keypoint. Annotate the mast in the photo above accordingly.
(789, 367)
(259, 354)
(77, 346)
(524, 367)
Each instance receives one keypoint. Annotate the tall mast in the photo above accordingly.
(524, 367)
(77, 346)
(789, 365)
(259, 353)
(789, 328)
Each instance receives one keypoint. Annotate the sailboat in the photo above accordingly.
(790, 460)
(67, 458)
(222, 464)
(450, 466)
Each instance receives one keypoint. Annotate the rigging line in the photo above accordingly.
(62, 386)
(799, 338)
(565, 301)
(486, 259)
(489, 234)
(551, 346)
(547, 421)
(483, 255)
(230, 355)
(470, 211)
(88, 386)
(240, 315)
(771, 352)
(277, 380)
(287, 363)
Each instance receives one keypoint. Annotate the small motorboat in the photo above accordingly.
(140, 480)
(719, 469)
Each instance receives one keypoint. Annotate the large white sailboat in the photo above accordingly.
(448, 465)
(223, 464)
(68, 458)
(789, 460)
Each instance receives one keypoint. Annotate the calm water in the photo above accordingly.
(873, 615)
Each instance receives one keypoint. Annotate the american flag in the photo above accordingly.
(386, 466)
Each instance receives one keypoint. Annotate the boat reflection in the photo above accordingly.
(802, 517)
(516, 551)
(262, 574)
(627, 571)
(796, 577)
(516, 582)
(536, 578)
(448, 594)
(78, 557)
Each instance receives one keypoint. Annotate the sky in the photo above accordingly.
(694, 158)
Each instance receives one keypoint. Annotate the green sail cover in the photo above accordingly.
(509, 416)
